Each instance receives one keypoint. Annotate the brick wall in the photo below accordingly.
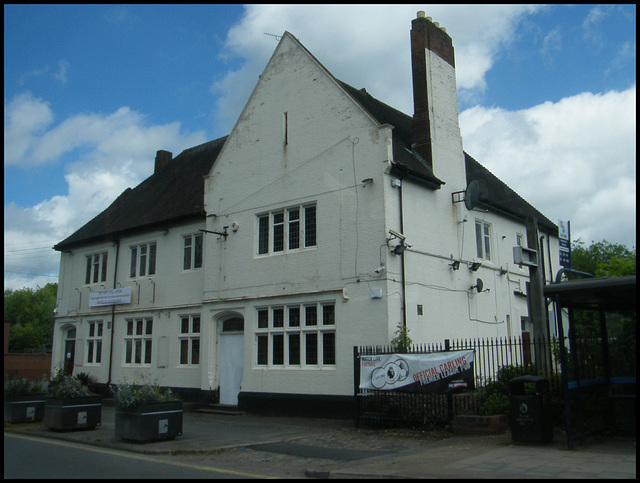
(30, 366)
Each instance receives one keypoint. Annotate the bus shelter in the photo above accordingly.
(596, 322)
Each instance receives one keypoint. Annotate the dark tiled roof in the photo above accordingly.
(494, 194)
(174, 193)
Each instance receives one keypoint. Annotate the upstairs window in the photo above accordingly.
(192, 252)
(96, 270)
(287, 230)
(483, 240)
(143, 260)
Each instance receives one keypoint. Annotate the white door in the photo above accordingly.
(231, 365)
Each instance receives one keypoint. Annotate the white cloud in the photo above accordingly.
(355, 42)
(577, 150)
(118, 152)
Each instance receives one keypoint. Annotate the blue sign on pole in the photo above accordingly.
(564, 235)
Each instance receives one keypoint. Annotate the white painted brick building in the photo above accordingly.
(256, 262)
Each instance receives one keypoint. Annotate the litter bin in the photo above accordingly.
(530, 412)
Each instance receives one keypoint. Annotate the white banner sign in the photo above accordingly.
(110, 297)
(442, 371)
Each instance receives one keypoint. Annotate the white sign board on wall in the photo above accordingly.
(110, 297)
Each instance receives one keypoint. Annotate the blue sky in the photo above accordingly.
(546, 98)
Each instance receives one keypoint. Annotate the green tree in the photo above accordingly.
(31, 315)
(603, 259)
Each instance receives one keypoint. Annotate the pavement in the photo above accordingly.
(322, 448)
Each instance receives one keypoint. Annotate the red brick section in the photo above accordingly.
(425, 36)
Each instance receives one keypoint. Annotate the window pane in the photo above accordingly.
(278, 317)
(129, 327)
(90, 351)
(294, 316)
(487, 241)
(147, 352)
(328, 315)
(92, 328)
(311, 315)
(98, 351)
(294, 349)
(143, 260)
(263, 344)
(184, 325)
(311, 348)
(294, 229)
(96, 268)
(152, 259)
(186, 262)
(134, 258)
(263, 234)
(278, 232)
(128, 350)
(278, 349)
(87, 278)
(139, 323)
(184, 351)
(104, 268)
(99, 331)
(196, 325)
(310, 226)
(197, 256)
(263, 319)
(479, 250)
(195, 351)
(137, 354)
(329, 348)
(149, 330)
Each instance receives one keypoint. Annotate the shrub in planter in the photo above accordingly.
(24, 400)
(146, 412)
(71, 405)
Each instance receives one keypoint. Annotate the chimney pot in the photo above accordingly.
(162, 159)
(421, 14)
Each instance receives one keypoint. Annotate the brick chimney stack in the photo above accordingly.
(426, 38)
(162, 159)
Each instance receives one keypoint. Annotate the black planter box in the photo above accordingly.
(24, 408)
(150, 422)
(66, 414)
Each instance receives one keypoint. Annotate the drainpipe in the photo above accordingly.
(404, 288)
(113, 313)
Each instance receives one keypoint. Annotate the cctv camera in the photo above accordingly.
(397, 235)
(380, 269)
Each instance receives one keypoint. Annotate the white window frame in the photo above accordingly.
(287, 230)
(278, 326)
(138, 340)
(94, 342)
(189, 246)
(484, 233)
(96, 268)
(190, 329)
(143, 260)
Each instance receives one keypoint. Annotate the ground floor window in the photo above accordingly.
(94, 342)
(301, 335)
(190, 340)
(138, 341)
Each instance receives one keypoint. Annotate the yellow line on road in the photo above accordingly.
(134, 456)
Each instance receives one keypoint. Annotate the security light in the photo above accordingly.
(475, 266)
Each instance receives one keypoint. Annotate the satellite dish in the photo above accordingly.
(471, 195)
(479, 286)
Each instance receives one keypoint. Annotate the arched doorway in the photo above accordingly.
(231, 359)
(69, 350)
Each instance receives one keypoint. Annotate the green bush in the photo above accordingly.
(62, 385)
(128, 395)
(18, 386)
